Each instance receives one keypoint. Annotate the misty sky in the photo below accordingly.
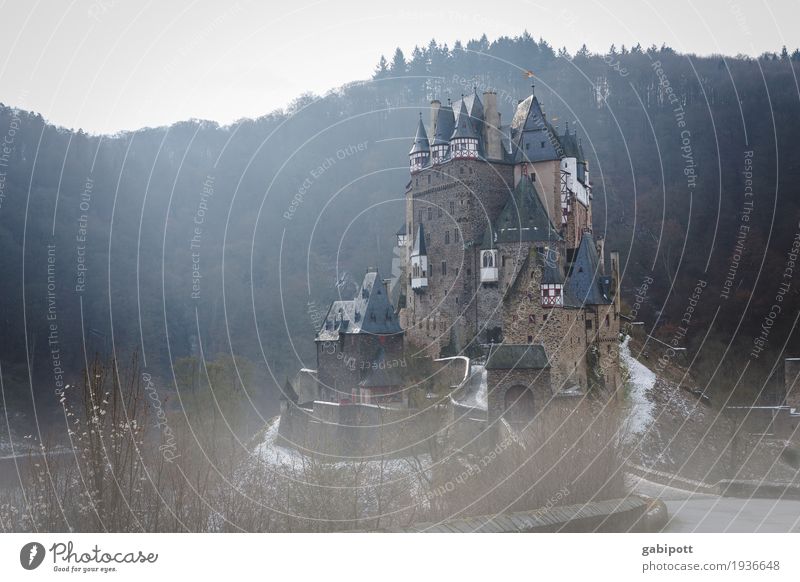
(107, 65)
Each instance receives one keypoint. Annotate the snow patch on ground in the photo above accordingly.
(411, 472)
(641, 380)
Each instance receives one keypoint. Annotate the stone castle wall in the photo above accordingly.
(455, 203)
(341, 364)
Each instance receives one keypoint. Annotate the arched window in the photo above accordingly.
(446, 237)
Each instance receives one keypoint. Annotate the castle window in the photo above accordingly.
(452, 207)
(528, 146)
(544, 317)
(447, 237)
(439, 212)
(457, 271)
(533, 177)
(430, 213)
(444, 267)
(530, 339)
(542, 144)
(607, 322)
(469, 272)
(588, 324)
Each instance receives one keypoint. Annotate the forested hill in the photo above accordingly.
(201, 240)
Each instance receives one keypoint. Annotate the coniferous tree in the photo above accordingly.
(399, 66)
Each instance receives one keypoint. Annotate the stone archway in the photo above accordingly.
(519, 404)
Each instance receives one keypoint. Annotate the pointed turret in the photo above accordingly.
(420, 151)
(587, 284)
(464, 141)
(445, 124)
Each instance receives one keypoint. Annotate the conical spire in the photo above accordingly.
(464, 125)
(421, 140)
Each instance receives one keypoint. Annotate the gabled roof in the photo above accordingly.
(571, 146)
(523, 218)
(421, 139)
(534, 137)
(465, 125)
(403, 229)
(517, 357)
(445, 124)
(551, 272)
(369, 312)
(472, 104)
(586, 285)
(419, 248)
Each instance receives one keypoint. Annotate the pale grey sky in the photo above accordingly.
(107, 65)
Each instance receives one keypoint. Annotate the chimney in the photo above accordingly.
(491, 126)
(435, 104)
(386, 283)
(614, 256)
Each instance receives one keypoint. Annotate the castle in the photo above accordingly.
(498, 263)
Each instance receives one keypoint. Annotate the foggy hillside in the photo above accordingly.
(199, 240)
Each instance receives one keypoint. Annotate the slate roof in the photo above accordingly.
(370, 312)
(551, 272)
(465, 125)
(445, 124)
(473, 105)
(586, 285)
(517, 357)
(419, 248)
(571, 145)
(531, 129)
(523, 219)
(421, 139)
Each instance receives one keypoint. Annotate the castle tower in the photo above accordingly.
(420, 151)
(443, 126)
(464, 141)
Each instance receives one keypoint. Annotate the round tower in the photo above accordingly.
(420, 152)
(464, 141)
